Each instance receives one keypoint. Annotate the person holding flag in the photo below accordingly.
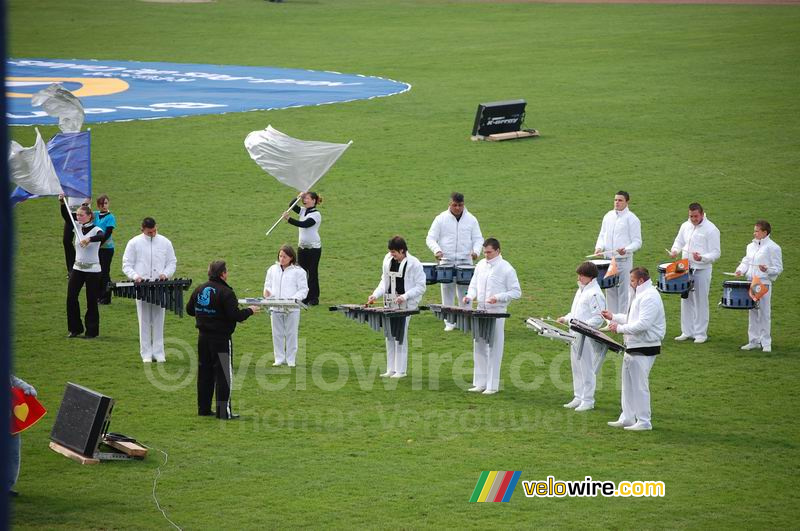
(620, 236)
(763, 262)
(309, 248)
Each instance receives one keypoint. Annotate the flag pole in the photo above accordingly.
(280, 218)
(74, 225)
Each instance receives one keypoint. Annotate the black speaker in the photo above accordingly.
(499, 117)
(82, 419)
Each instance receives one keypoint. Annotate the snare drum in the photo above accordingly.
(464, 274)
(682, 284)
(736, 295)
(445, 273)
(602, 268)
(430, 272)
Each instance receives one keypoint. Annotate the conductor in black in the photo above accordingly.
(216, 311)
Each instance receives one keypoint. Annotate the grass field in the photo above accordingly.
(672, 103)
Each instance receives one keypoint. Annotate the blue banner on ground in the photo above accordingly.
(124, 90)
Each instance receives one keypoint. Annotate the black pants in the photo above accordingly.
(309, 260)
(214, 373)
(92, 318)
(105, 255)
(69, 246)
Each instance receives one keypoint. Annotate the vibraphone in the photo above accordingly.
(391, 320)
(166, 293)
(277, 304)
(549, 331)
(480, 322)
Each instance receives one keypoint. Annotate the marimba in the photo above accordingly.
(549, 331)
(391, 320)
(275, 304)
(480, 322)
(165, 293)
(603, 342)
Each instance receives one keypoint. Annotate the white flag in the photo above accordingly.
(32, 169)
(62, 104)
(296, 163)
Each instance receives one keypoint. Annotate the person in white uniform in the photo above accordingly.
(149, 256)
(285, 280)
(454, 238)
(620, 236)
(765, 261)
(697, 240)
(643, 327)
(494, 285)
(402, 286)
(587, 306)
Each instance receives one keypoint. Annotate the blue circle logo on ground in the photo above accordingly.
(125, 90)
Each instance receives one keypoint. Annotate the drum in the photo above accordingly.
(464, 274)
(445, 273)
(602, 268)
(430, 272)
(736, 295)
(682, 284)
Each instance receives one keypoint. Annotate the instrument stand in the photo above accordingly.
(123, 451)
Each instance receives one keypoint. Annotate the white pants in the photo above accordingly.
(488, 358)
(397, 353)
(284, 336)
(636, 388)
(453, 293)
(618, 297)
(694, 309)
(758, 330)
(151, 330)
(585, 369)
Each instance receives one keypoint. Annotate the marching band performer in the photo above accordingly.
(149, 256)
(285, 280)
(402, 285)
(587, 306)
(309, 248)
(455, 238)
(85, 270)
(494, 284)
(620, 236)
(106, 221)
(765, 261)
(644, 326)
(697, 240)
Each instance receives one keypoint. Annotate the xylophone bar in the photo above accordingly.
(480, 322)
(167, 294)
(391, 320)
(285, 304)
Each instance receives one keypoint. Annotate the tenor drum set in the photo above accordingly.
(447, 273)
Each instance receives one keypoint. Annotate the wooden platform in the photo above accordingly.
(513, 135)
(130, 449)
(66, 452)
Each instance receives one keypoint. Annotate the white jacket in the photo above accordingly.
(620, 229)
(702, 238)
(457, 239)
(148, 258)
(496, 278)
(645, 323)
(289, 283)
(587, 305)
(413, 280)
(762, 252)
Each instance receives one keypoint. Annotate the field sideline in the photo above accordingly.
(673, 103)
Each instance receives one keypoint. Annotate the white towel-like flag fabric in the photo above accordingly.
(62, 104)
(296, 163)
(32, 169)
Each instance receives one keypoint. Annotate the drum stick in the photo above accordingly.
(729, 274)
(669, 252)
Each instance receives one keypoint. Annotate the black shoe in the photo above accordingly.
(12, 493)
(233, 416)
(314, 302)
(87, 336)
(73, 335)
(205, 414)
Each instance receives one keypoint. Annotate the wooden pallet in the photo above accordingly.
(130, 449)
(513, 135)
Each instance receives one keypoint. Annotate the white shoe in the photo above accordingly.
(700, 339)
(387, 374)
(161, 360)
(619, 424)
(750, 346)
(767, 349)
(640, 426)
(291, 365)
(489, 392)
(398, 375)
(683, 337)
(476, 389)
(277, 364)
(573, 404)
(148, 360)
(448, 327)
(584, 407)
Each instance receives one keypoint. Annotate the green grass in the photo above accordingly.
(672, 103)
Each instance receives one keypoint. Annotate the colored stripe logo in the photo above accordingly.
(495, 486)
